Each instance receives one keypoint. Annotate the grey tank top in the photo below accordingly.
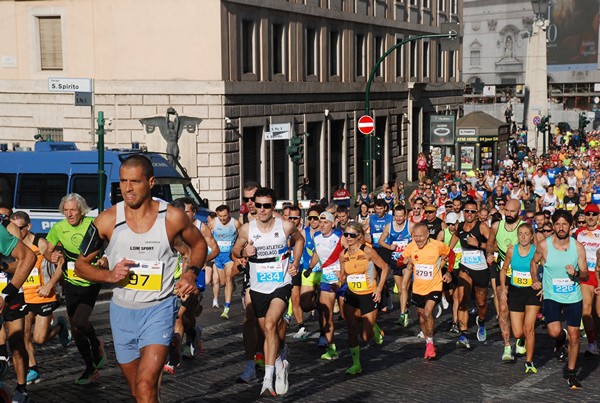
(152, 280)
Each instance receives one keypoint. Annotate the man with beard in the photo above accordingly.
(435, 226)
(564, 267)
(503, 234)
(474, 272)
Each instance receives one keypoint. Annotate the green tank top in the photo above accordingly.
(457, 248)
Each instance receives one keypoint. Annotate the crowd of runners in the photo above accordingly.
(528, 234)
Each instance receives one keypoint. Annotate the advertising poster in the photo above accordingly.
(467, 158)
(441, 130)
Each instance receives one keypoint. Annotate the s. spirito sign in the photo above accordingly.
(69, 84)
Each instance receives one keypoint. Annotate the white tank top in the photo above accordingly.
(269, 268)
(152, 280)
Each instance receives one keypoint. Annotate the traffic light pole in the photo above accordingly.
(100, 162)
(449, 35)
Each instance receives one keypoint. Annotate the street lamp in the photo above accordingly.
(540, 7)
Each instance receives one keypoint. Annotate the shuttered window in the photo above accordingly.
(50, 43)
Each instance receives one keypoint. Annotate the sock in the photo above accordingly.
(289, 310)
(528, 362)
(376, 328)
(269, 371)
(21, 388)
(300, 325)
(332, 347)
(355, 351)
(429, 340)
(283, 353)
(481, 322)
(34, 368)
(463, 334)
(227, 304)
(250, 365)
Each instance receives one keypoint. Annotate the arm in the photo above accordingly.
(242, 248)
(25, 261)
(489, 249)
(583, 273)
(538, 257)
(440, 235)
(180, 224)
(46, 289)
(298, 241)
(210, 241)
(375, 258)
(383, 237)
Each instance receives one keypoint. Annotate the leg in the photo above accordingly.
(464, 292)
(308, 298)
(42, 331)
(215, 287)
(327, 300)
(29, 319)
(406, 279)
(352, 315)
(368, 322)
(426, 318)
(531, 312)
(130, 371)
(574, 340)
(517, 320)
(503, 318)
(496, 299)
(80, 327)
(481, 301)
(250, 330)
(228, 283)
(586, 314)
(296, 308)
(149, 368)
(17, 349)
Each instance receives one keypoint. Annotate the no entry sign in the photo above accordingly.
(366, 124)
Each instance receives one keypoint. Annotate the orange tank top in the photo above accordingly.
(35, 280)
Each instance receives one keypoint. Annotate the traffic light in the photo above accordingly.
(295, 149)
(583, 122)
(376, 147)
(544, 124)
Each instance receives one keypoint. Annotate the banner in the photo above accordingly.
(441, 130)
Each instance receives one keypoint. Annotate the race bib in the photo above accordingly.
(424, 271)
(563, 285)
(471, 257)
(331, 273)
(71, 270)
(376, 237)
(33, 279)
(591, 261)
(271, 272)
(521, 279)
(570, 206)
(3, 280)
(144, 276)
(224, 246)
(357, 282)
(400, 246)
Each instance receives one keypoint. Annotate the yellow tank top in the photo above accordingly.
(361, 275)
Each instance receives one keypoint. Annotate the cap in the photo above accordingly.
(591, 208)
(430, 208)
(451, 218)
(443, 191)
(326, 215)
(464, 187)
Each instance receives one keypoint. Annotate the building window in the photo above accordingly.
(451, 67)
(311, 52)
(442, 5)
(248, 47)
(278, 48)
(454, 6)
(399, 59)
(49, 134)
(413, 59)
(426, 3)
(475, 58)
(334, 53)
(51, 56)
(426, 59)
(360, 55)
(440, 61)
(378, 53)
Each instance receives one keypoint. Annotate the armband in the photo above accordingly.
(195, 270)
(3, 266)
(9, 291)
(92, 242)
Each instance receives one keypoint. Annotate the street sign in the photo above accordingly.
(366, 124)
(537, 120)
(280, 131)
(69, 84)
(83, 99)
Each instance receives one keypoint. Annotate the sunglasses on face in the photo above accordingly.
(591, 214)
(350, 235)
(470, 211)
(247, 199)
(266, 206)
(313, 218)
(546, 230)
(22, 227)
(371, 211)
(293, 217)
(501, 204)
(580, 222)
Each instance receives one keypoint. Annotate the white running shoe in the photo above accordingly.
(301, 333)
(445, 303)
(281, 376)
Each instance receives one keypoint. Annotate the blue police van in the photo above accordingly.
(35, 181)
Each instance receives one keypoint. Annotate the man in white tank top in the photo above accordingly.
(142, 260)
(264, 242)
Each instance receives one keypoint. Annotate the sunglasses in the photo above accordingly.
(371, 211)
(293, 217)
(546, 230)
(470, 211)
(591, 214)
(3, 216)
(266, 206)
(350, 235)
(363, 188)
(247, 199)
(22, 227)
(429, 212)
(313, 218)
(501, 204)
(580, 222)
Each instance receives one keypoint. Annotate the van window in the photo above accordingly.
(41, 191)
(87, 186)
(7, 189)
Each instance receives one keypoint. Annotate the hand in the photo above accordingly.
(243, 261)
(490, 259)
(102, 263)
(55, 257)
(447, 278)
(570, 269)
(292, 270)
(376, 295)
(471, 240)
(45, 290)
(249, 249)
(186, 284)
(536, 285)
(597, 290)
(306, 273)
(120, 271)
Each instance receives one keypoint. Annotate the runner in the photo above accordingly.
(80, 294)
(503, 236)
(377, 223)
(564, 266)
(40, 298)
(474, 272)
(364, 292)
(264, 241)
(523, 301)
(424, 256)
(450, 288)
(294, 308)
(395, 237)
(141, 234)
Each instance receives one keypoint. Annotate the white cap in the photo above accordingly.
(326, 215)
(451, 218)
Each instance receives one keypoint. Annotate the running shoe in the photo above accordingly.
(438, 311)
(336, 307)
(286, 317)
(301, 333)
(88, 376)
(559, 348)
(196, 345)
(592, 349)
(168, 368)
(472, 311)
(101, 359)
(530, 368)
(420, 335)
(267, 391)
(454, 328)
(323, 342)
(403, 320)
(281, 376)
(215, 304)
(259, 360)
(249, 375)
(20, 397)
(507, 356)
(33, 377)
(378, 336)
(429, 351)
(445, 303)
(225, 314)
(64, 336)
(481, 332)
(355, 369)
(573, 382)
(520, 347)
(463, 341)
(329, 355)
